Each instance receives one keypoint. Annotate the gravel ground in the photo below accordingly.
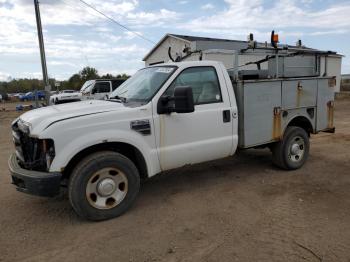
(236, 209)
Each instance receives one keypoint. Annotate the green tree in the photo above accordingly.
(107, 76)
(124, 76)
(88, 73)
(75, 82)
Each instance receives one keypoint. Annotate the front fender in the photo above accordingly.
(135, 139)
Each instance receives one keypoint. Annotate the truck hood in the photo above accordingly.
(39, 119)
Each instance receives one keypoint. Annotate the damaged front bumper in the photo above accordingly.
(34, 182)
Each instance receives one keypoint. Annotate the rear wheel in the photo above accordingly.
(103, 186)
(293, 150)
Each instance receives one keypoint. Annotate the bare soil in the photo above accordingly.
(236, 209)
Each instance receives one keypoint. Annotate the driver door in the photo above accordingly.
(206, 133)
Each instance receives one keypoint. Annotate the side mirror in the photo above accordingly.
(183, 98)
(181, 102)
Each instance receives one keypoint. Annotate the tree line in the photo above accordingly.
(75, 82)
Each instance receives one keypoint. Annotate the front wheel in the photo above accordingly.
(103, 185)
(293, 150)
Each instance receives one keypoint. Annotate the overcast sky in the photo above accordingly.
(75, 36)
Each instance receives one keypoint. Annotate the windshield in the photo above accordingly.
(144, 84)
(86, 85)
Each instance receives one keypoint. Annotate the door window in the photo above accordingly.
(102, 87)
(203, 81)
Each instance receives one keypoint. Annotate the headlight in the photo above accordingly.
(49, 150)
(23, 126)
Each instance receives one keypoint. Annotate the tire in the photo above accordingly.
(91, 190)
(56, 101)
(293, 150)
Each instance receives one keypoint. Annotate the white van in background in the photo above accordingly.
(99, 89)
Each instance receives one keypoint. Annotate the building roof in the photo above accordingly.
(198, 38)
(190, 39)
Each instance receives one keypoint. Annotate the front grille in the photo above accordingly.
(29, 150)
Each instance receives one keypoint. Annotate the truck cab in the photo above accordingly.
(164, 117)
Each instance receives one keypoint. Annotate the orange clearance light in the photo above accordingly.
(275, 38)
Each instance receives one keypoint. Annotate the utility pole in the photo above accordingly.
(42, 52)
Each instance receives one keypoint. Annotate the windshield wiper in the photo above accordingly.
(118, 98)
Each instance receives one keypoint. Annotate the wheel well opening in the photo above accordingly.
(302, 122)
(125, 149)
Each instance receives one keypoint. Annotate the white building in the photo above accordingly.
(173, 46)
(178, 43)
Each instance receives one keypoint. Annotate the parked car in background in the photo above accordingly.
(65, 96)
(18, 95)
(100, 88)
(0, 98)
(31, 96)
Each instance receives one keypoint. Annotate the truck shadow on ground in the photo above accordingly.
(241, 166)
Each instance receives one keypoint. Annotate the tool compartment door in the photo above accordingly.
(260, 125)
(299, 93)
(325, 105)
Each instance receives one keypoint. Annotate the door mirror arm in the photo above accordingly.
(163, 105)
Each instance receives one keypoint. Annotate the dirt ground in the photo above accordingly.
(236, 209)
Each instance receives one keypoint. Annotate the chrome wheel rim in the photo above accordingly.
(297, 149)
(107, 188)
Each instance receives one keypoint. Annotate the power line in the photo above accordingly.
(116, 22)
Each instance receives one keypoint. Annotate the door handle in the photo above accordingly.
(226, 116)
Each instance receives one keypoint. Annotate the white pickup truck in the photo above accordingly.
(65, 96)
(99, 89)
(164, 117)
